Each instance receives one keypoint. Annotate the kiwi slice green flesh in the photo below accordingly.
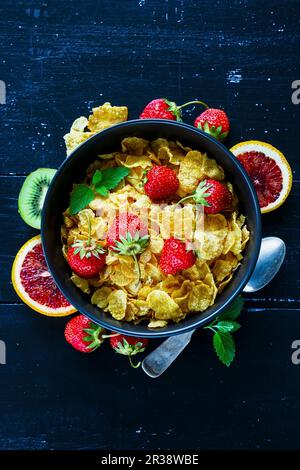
(32, 195)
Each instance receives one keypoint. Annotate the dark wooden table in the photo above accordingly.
(59, 59)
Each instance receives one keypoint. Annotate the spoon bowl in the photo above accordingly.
(270, 258)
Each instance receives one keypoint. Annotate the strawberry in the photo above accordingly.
(175, 256)
(128, 346)
(214, 122)
(86, 259)
(83, 334)
(161, 183)
(213, 195)
(128, 235)
(124, 227)
(162, 108)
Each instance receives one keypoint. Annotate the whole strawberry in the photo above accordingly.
(127, 231)
(214, 122)
(128, 236)
(86, 260)
(175, 256)
(162, 183)
(162, 108)
(213, 195)
(83, 334)
(128, 346)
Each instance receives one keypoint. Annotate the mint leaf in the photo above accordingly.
(226, 326)
(81, 196)
(233, 310)
(224, 347)
(97, 177)
(102, 191)
(111, 177)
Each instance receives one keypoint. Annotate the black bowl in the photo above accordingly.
(73, 170)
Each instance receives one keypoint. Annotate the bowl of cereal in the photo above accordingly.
(151, 228)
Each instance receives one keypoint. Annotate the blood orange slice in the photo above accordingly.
(34, 284)
(269, 172)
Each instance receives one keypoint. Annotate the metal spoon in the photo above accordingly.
(271, 256)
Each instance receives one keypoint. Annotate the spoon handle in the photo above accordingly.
(162, 357)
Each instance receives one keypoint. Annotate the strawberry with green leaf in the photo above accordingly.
(162, 108)
(102, 182)
(84, 335)
(128, 236)
(128, 346)
(214, 122)
(86, 258)
(213, 195)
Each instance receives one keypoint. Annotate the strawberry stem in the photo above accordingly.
(89, 231)
(193, 102)
(110, 336)
(137, 267)
(135, 366)
(183, 199)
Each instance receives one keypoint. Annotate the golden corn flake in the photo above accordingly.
(164, 307)
(75, 138)
(245, 236)
(211, 239)
(117, 303)
(157, 323)
(100, 297)
(164, 154)
(152, 274)
(195, 167)
(105, 116)
(132, 161)
(81, 283)
(223, 267)
(190, 171)
(211, 169)
(134, 146)
(224, 283)
(82, 128)
(159, 143)
(200, 297)
(236, 228)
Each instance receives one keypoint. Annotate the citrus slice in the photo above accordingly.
(269, 172)
(34, 284)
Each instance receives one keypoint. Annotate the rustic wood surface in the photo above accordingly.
(58, 60)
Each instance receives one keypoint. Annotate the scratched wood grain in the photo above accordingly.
(55, 397)
(58, 60)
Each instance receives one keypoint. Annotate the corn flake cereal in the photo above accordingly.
(103, 117)
(137, 290)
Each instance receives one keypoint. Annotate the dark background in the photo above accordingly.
(61, 58)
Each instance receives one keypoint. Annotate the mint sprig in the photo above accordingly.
(223, 327)
(81, 196)
(102, 182)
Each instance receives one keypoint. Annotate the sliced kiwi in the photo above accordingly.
(32, 195)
